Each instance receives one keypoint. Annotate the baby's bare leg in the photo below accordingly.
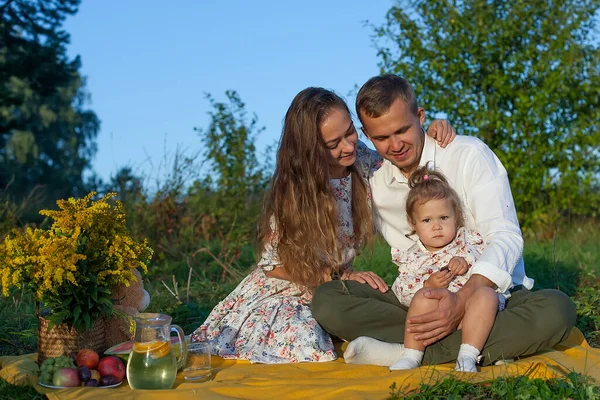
(413, 349)
(419, 305)
(480, 312)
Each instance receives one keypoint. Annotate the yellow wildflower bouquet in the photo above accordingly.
(72, 266)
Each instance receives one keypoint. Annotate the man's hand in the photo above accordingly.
(444, 320)
(441, 322)
(441, 131)
(439, 279)
(458, 266)
(367, 277)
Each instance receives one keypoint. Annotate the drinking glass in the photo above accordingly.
(197, 367)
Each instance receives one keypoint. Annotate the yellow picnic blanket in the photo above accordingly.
(328, 380)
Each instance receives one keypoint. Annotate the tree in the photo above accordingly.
(47, 136)
(233, 190)
(128, 186)
(523, 76)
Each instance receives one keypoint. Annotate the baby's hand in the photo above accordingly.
(439, 280)
(458, 266)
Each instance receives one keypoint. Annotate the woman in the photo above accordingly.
(315, 217)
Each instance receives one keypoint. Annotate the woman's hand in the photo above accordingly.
(441, 131)
(367, 277)
(439, 279)
(458, 266)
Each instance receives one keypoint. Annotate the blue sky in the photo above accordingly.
(148, 64)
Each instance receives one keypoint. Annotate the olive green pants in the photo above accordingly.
(531, 321)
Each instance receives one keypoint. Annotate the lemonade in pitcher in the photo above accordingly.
(152, 363)
(151, 366)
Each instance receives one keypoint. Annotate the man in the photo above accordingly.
(392, 120)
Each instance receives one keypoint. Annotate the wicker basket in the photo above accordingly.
(62, 340)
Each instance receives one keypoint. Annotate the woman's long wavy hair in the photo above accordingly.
(299, 208)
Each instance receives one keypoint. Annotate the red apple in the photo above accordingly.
(67, 377)
(88, 358)
(112, 365)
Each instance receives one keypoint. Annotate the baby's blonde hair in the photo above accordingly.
(426, 185)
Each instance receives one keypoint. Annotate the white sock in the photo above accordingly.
(366, 350)
(467, 358)
(411, 359)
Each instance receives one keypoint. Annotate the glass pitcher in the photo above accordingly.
(152, 363)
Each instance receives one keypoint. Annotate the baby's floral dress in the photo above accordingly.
(416, 264)
(268, 320)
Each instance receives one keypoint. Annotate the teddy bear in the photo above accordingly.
(129, 300)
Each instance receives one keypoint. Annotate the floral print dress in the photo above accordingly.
(268, 320)
(416, 264)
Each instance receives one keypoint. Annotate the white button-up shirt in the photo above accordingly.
(481, 182)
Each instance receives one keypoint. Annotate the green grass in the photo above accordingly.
(12, 392)
(18, 326)
(573, 386)
(571, 263)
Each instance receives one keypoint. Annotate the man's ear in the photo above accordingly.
(421, 115)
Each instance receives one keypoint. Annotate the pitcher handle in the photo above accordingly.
(183, 352)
